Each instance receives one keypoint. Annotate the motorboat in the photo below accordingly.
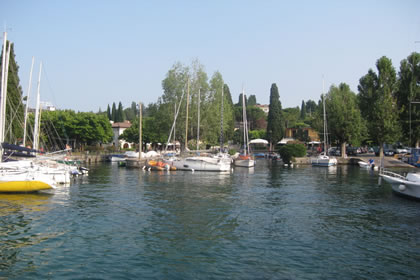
(199, 163)
(323, 160)
(408, 185)
(368, 165)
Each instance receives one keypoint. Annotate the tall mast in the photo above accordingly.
(3, 93)
(244, 121)
(27, 102)
(325, 119)
(36, 126)
(4, 99)
(186, 119)
(140, 130)
(198, 117)
(221, 122)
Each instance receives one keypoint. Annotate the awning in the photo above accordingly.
(285, 140)
(258, 141)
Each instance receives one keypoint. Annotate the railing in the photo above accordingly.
(391, 174)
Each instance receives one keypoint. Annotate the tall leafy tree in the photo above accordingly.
(345, 122)
(275, 122)
(229, 114)
(378, 104)
(407, 93)
(14, 105)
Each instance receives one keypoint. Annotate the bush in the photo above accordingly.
(289, 151)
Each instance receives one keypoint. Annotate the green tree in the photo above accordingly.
(378, 104)
(120, 113)
(108, 113)
(290, 116)
(256, 117)
(228, 114)
(114, 112)
(408, 92)
(345, 122)
(14, 105)
(311, 107)
(275, 121)
(252, 100)
(303, 111)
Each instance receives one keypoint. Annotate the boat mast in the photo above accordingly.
(27, 102)
(198, 117)
(186, 119)
(325, 120)
(221, 122)
(37, 120)
(4, 85)
(244, 121)
(140, 130)
(2, 120)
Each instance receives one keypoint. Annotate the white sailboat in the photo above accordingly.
(22, 179)
(324, 159)
(197, 163)
(244, 159)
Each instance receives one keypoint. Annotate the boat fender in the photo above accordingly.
(192, 170)
(401, 188)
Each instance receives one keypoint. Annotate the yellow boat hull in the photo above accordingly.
(23, 186)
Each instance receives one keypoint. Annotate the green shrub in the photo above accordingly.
(289, 151)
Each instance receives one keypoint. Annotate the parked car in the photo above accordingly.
(401, 151)
(389, 152)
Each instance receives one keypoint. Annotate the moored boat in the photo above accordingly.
(323, 160)
(408, 185)
(368, 165)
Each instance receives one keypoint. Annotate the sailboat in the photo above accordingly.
(324, 159)
(244, 159)
(197, 163)
(21, 179)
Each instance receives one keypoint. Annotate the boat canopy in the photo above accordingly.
(258, 141)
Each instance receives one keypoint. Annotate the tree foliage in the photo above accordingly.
(82, 128)
(407, 93)
(275, 122)
(345, 122)
(378, 104)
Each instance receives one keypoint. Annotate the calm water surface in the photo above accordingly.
(267, 223)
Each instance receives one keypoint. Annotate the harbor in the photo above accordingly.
(265, 222)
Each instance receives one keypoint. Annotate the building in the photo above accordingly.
(118, 129)
(307, 132)
(265, 108)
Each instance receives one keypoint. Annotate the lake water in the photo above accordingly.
(267, 223)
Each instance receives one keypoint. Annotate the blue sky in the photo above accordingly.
(98, 52)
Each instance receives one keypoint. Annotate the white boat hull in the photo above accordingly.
(366, 165)
(324, 160)
(200, 164)
(244, 162)
(408, 186)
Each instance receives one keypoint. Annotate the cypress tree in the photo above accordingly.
(275, 123)
(108, 113)
(120, 113)
(114, 112)
(303, 111)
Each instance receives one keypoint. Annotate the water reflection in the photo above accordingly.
(17, 215)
